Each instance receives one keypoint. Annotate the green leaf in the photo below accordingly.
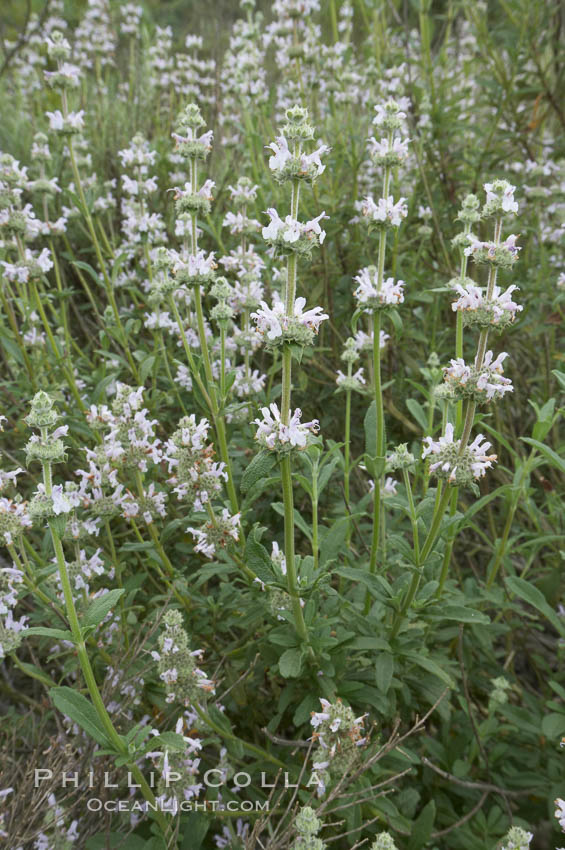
(197, 825)
(88, 268)
(553, 726)
(530, 594)
(384, 671)
(96, 612)
(290, 663)
(219, 718)
(551, 456)
(370, 426)
(545, 418)
(146, 367)
(460, 614)
(10, 346)
(423, 825)
(257, 558)
(430, 666)
(333, 539)
(418, 413)
(376, 585)
(326, 474)
(169, 741)
(80, 711)
(155, 843)
(298, 520)
(115, 841)
(41, 631)
(368, 642)
(560, 377)
(259, 468)
(35, 673)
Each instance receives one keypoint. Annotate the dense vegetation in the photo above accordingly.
(281, 524)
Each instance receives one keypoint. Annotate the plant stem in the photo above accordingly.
(113, 737)
(413, 515)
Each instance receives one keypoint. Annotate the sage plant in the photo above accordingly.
(286, 324)
(192, 269)
(375, 293)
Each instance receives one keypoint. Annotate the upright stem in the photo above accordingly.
(211, 395)
(292, 586)
(379, 437)
(347, 449)
(113, 737)
(286, 468)
(378, 395)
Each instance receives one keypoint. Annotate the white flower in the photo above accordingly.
(291, 230)
(383, 113)
(69, 72)
(240, 223)
(505, 193)
(313, 226)
(274, 321)
(276, 225)
(399, 147)
(61, 504)
(368, 293)
(471, 298)
(452, 464)
(272, 433)
(281, 154)
(385, 210)
(73, 121)
(389, 487)
(357, 376)
(487, 379)
(205, 139)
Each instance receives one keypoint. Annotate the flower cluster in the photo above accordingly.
(139, 224)
(500, 199)
(244, 192)
(10, 628)
(189, 200)
(338, 735)
(373, 294)
(184, 270)
(292, 235)
(299, 327)
(400, 458)
(384, 841)
(517, 839)
(197, 477)
(297, 165)
(307, 826)
(498, 311)
(275, 435)
(385, 212)
(483, 383)
(388, 152)
(178, 769)
(14, 516)
(184, 681)
(454, 466)
(350, 382)
(129, 440)
(501, 254)
(66, 125)
(187, 140)
(129, 446)
(218, 532)
(355, 381)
